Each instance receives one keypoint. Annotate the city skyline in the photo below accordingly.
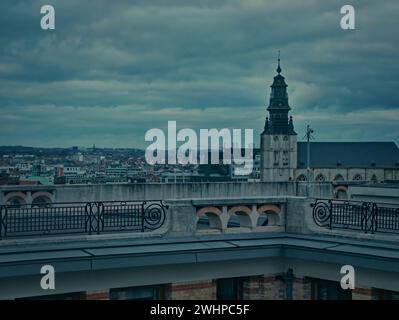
(109, 73)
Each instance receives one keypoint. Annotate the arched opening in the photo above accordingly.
(268, 218)
(234, 221)
(41, 201)
(374, 178)
(340, 192)
(209, 218)
(15, 201)
(209, 221)
(15, 198)
(203, 222)
(339, 177)
(301, 177)
(262, 221)
(239, 217)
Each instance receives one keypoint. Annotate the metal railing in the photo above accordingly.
(368, 217)
(80, 217)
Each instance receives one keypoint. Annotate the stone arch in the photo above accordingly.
(236, 209)
(269, 207)
(320, 178)
(243, 214)
(41, 201)
(339, 177)
(341, 192)
(301, 177)
(212, 214)
(15, 198)
(272, 213)
(209, 210)
(41, 198)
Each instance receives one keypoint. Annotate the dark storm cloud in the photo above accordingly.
(112, 70)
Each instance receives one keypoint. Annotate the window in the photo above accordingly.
(357, 177)
(339, 177)
(329, 290)
(276, 158)
(285, 158)
(320, 178)
(301, 177)
(229, 288)
(138, 293)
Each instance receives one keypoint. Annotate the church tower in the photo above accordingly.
(278, 139)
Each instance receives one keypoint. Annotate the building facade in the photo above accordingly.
(283, 158)
(293, 256)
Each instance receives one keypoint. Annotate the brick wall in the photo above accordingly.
(302, 289)
(201, 290)
(272, 288)
(363, 294)
(97, 295)
(252, 288)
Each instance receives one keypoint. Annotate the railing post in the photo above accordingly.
(1, 222)
(331, 213)
(89, 216)
(364, 217)
(142, 215)
(374, 218)
(100, 217)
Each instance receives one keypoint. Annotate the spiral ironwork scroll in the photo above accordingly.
(154, 216)
(322, 213)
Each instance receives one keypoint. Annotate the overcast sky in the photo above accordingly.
(114, 69)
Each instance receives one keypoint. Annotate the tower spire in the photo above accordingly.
(279, 121)
(278, 68)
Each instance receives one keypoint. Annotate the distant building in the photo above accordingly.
(58, 171)
(71, 171)
(175, 177)
(285, 159)
(116, 170)
(255, 174)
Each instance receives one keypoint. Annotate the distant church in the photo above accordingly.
(283, 158)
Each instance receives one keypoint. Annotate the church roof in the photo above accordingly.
(349, 155)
